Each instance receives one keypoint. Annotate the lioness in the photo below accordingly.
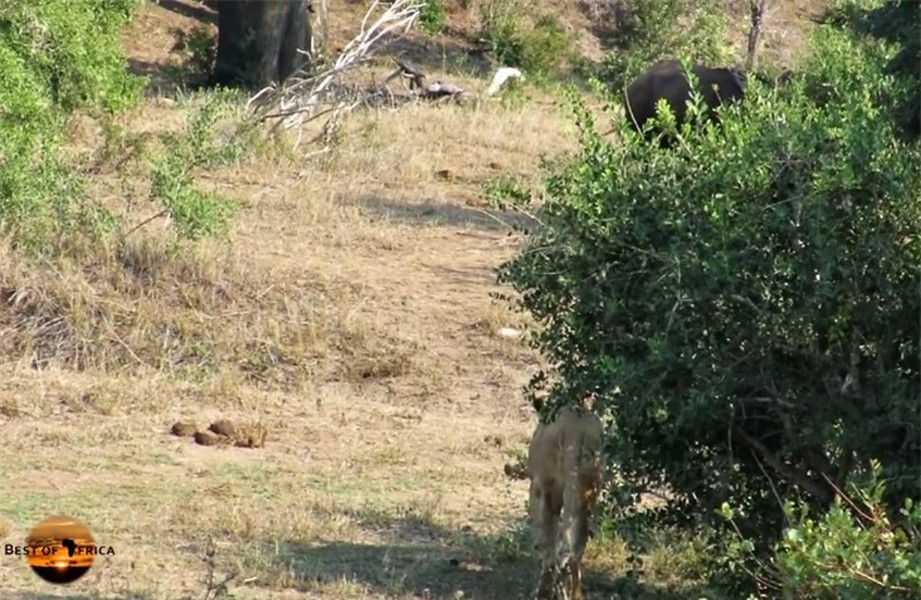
(565, 465)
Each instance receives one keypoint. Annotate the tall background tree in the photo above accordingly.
(258, 41)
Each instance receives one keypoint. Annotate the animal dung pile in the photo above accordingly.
(515, 472)
(222, 433)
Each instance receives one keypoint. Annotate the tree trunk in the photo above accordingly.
(258, 41)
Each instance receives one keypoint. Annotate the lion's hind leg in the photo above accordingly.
(582, 468)
(545, 506)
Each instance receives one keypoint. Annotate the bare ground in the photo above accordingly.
(351, 317)
(382, 473)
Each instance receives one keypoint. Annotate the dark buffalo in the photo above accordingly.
(666, 79)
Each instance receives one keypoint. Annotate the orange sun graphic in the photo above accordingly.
(60, 549)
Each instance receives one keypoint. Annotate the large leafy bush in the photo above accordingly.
(895, 21)
(56, 58)
(745, 308)
(855, 550)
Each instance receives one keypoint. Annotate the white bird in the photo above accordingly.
(509, 332)
(501, 76)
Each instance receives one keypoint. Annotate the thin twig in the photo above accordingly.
(845, 497)
(162, 213)
(769, 480)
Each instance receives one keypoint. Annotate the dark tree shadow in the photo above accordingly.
(424, 560)
(165, 80)
(40, 596)
(191, 9)
(471, 276)
(424, 570)
(430, 561)
(444, 214)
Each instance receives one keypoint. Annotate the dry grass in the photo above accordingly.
(350, 315)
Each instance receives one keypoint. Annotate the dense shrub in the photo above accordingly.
(895, 21)
(855, 550)
(521, 37)
(61, 57)
(56, 57)
(745, 308)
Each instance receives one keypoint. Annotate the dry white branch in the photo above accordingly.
(320, 90)
(306, 95)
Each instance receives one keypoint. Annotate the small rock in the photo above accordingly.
(183, 428)
(206, 438)
(493, 440)
(252, 436)
(223, 427)
(515, 471)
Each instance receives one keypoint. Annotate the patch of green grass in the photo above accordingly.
(27, 508)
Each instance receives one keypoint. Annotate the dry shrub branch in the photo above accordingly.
(311, 94)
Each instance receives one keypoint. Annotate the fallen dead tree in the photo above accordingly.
(440, 90)
(318, 91)
(325, 92)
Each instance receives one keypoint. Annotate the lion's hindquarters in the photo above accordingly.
(546, 503)
(583, 466)
(566, 465)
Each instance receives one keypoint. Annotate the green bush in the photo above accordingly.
(73, 49)
(656, 29)
(433, 18)
(745, 308)
(197, 50)
(504, 192)
(854, 550)
(197, 214)
(895, 21)
(61, 57)
(520, 37)
(56, 57)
